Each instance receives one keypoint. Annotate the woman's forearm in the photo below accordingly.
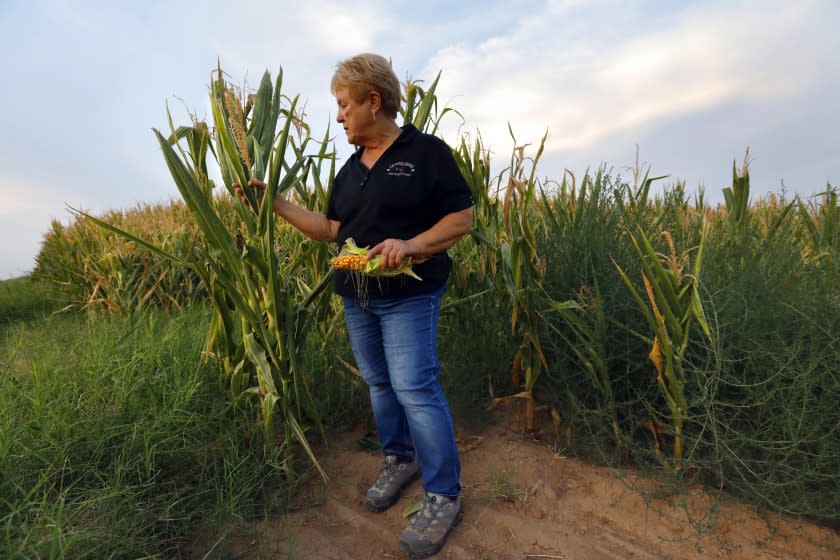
(440, 237)
(312, 224)
(445, 233)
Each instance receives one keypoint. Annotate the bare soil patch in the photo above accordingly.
(523, 501)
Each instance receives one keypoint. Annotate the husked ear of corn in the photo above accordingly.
(349, 262)
(354, 258)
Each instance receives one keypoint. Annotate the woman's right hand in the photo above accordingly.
(256, 184)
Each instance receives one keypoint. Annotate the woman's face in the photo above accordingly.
(355, 117)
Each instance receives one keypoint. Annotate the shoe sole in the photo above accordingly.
(431, 552)
(378, 508)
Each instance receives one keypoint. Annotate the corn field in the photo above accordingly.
(643, 325)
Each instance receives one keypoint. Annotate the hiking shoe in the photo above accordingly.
(392, 478)
(426, 533)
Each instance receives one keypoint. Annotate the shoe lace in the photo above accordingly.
(388, 471)
(430, 510)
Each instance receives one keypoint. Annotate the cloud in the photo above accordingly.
(693, 82)
(585, 85)
(339, 31)
(26, 210)
(19, 194)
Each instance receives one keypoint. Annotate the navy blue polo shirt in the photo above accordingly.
(414, 184)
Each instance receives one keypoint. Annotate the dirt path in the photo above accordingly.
(522, 501)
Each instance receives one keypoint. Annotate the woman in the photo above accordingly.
(402, 194)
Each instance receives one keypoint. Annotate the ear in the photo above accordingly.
(375, 101)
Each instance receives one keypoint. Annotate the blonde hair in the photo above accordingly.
(366, 73)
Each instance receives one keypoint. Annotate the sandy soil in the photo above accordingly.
(525, 501)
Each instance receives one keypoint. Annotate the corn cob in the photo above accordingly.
(349, 262)
(354, 258)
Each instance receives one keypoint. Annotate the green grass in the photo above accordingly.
(116, 440)
(24, 299)
(113, 426)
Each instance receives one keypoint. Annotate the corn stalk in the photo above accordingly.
(476, 267)
(822, 227)
(263, 307)
(737, 199)
(522, 272)
(420, 106)
(673, 305)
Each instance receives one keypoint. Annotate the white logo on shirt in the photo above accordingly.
(401, 169)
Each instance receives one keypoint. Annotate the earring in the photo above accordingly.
(373, 113)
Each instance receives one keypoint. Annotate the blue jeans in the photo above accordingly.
(395, 345)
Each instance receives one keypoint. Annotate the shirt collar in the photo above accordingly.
(407, 135)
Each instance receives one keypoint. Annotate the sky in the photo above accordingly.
(689, 84)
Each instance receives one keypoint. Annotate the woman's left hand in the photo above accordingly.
(393, 251)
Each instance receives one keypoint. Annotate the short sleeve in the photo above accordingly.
(332, 213)
(451, 191)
